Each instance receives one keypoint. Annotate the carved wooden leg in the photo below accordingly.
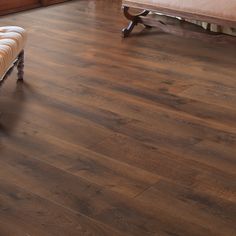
(129, 29)
(20, 66)
(134, 20)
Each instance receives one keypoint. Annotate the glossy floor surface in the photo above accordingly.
(133, 137)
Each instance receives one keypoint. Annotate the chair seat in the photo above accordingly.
(221, 9)
(12, 42)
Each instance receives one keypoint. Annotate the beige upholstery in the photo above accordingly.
(12, 42)
(215, 27)
(221, 9)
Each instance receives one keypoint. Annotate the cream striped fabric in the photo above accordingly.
(12, 42)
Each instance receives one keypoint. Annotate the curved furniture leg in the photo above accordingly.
(20, 66)
(129, 29)
(134, 20)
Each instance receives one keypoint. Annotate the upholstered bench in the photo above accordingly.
(222, 12)
(12, 42)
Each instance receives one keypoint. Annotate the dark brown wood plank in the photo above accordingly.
(118, 212)
(33, 215)
(116, 137)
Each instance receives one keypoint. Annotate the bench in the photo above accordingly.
(222, 13)
(12, 42)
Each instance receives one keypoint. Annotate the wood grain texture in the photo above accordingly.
(109, 137)
(10, 6)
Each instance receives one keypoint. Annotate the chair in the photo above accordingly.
(12, 43)
(222, 13)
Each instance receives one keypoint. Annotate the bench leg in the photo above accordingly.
(134, 20)
(126, 31)
(20, 66)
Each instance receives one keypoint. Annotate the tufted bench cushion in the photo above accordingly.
(12, 42)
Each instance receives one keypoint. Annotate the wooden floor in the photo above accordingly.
(116, 137)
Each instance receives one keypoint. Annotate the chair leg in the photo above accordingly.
(134, 20)
(20, 66)
(129, 29)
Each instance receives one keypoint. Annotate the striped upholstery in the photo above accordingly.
(12, 42)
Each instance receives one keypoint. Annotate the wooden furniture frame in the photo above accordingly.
(170, 24)
(7, 7)
(19, 63)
